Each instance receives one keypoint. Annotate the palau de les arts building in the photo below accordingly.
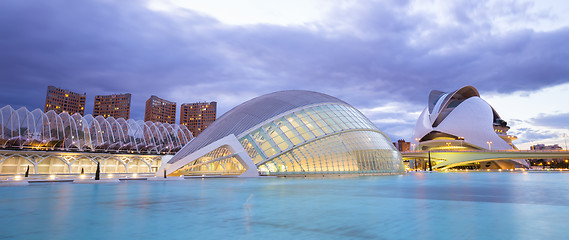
(462, 121)
(288, 133)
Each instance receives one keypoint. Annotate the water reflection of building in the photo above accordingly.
(460, 120)
(289, 133)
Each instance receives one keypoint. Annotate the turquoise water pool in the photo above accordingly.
(411, 206)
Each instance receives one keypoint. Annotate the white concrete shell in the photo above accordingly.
(459, 117)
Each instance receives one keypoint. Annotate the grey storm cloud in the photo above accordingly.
(368, 56)
(533, 135)
(553, 120)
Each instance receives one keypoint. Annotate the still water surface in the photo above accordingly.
(411, 206)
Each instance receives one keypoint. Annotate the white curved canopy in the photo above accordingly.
(51, 131)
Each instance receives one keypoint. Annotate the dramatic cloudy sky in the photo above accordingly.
(383, 57)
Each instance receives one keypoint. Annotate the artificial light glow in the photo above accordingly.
(135, 175)
(82, 176)
(52, 177)
(110, 176)
(18, 178)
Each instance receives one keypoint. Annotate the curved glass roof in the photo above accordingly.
(253, 112)
(37, 130)
(321, 138)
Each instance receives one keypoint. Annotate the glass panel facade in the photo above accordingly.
(358, 152)
(251, 149)
(344, 151)
(217, 162)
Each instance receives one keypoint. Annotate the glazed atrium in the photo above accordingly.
(289, 133)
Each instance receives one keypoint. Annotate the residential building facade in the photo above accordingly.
(198, 116)
(63, 100)
(160, 110)
(115, 105)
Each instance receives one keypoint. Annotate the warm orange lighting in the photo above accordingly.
(17, 177)
(110, 176)
(51, 177)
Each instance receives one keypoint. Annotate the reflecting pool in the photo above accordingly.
(411, 206)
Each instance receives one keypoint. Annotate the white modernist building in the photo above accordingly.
(461, 120)
(36, 130)
(288, 133)
(51, 143)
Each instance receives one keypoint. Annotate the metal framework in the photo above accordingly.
(36, 130)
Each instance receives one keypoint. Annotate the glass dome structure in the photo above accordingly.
(24, 129)
(289, 133)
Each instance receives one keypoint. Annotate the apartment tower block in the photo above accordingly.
(160, 110)
(62, 100)
(115, 105)
(198, 116)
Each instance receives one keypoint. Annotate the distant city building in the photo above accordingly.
(402, 145)
(62, 100)
(115, 105)
(198, 116)
(549, 162)
(160, 110)
(545, 147)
